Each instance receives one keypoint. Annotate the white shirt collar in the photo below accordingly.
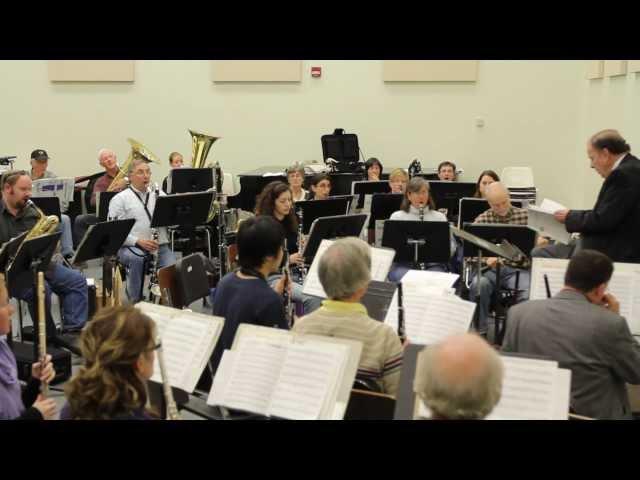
(617, 164)
(139, 191)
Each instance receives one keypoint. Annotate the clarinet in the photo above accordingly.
(285, 293)
(172, 409)
(303, 268)
(401, 328)
(422, 213)
(42, 331)
(154, 287)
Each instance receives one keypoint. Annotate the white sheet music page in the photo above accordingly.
(550, 206)
(547, 225)
(431, 279)
(312, 285)
(554, 268)
(222, 377)
(255, 371)
(309, 374)
(528, 390)
(562, 394)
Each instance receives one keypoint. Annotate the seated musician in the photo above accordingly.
(14, 404)
(16, 217)
(502, 212)
(345, 273)
(398, 180)
(416, 196)
(459, 378)
(244, 296)
(107, 160)
(373, 167)
(118, 350)
(320, 187)
(447, 172)
(295, 178)
(175, 161)
(139, 201)
(485, 178)
(275, 200)
(39, 171)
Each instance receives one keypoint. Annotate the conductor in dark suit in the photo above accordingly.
(581, 328)
(613, 225)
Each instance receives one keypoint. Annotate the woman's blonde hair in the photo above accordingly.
(398, 172)
(108, 385)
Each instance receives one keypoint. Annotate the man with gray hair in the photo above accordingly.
(345, 273)
(459, 378)
(139, 201)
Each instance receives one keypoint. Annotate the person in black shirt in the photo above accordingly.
(276, 200)
(244, 296)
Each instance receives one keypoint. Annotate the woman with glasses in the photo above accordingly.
(118, 348)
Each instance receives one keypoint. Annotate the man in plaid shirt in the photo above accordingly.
(502, 212)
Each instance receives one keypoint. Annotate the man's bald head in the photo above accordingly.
(459, 378)
(498, 197)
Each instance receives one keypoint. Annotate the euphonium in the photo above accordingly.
(200, 146)
(44, 226)
(138, 150)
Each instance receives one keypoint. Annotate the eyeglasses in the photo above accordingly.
(155, 347)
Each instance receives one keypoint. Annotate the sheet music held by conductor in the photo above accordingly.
(381, 260)
(624, 285)
(188, 340)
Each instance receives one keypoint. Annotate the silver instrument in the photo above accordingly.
(172, 409)
(303, 268)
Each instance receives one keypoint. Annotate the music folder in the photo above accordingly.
(187, 209)
(302, 377)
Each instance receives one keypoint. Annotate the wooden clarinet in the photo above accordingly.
(401, 327)
(42, 331)
(422, 213)
(172, 409)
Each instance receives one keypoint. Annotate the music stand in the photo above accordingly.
(418, 242)
(104, 240)
(187, 180)
(48, 205)
(188, 209)
(368, 188)
(7, 252)
(470, 208)
(343, 148)
(313, 209)
(102, 204)
(329, 228)
(448, 194)
(378, 299)
(383, 205)
(341, 182)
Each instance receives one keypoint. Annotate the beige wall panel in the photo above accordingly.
(91, 70)
(256, 70)
(613, 68)
(633, 65)
(430, 70)
(595, 69)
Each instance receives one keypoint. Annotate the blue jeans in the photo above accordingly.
(71, 286)
(133, 258)
(66, 239)
(309, 302)
(488, 286)
(399, 270)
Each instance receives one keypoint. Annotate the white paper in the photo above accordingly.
(379, 230)
(431, 279)
(562, 394)
(550, 206)
(55, 187)
(221, 378)
(547, 225)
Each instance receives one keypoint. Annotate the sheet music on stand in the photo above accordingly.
(278, 373)
(188, 340)
(532, 389)
(624, 285)
(542, 220)
(61, 187)
(381, 260)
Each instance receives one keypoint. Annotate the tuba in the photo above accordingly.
(200, 146)
(138, 150)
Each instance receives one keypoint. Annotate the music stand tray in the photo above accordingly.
(329, 228)
(313, 209)
(186, 210)
(48, 205)
(418, 242)
(188, 180)
(378, 299)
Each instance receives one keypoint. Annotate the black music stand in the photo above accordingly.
(447, 195)
(102, 204)
(406, 397)
(313, 209)
(251, 185)
(433, 176)
(104, 240)
(418, 242)
(383, 206)
(48, 205)
(470, 208)
(330, 228)
(7, 252)
(189, 209)
(187, 180)
(343, 148)
(368, 188)
(341, 182)
(378, 299)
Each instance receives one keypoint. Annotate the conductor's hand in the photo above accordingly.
(296, 258)
(611, 303)
(561, 215)
(46, 406)
(148, 245)
(492, 262)
(44, 375)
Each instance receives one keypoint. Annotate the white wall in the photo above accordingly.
(536, 113)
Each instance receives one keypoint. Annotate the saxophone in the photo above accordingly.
(172, 409)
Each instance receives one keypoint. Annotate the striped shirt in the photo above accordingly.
(515, 216)
(381, 358)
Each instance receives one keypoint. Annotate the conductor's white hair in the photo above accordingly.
(345, 267)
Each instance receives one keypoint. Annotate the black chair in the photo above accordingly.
(367, 405)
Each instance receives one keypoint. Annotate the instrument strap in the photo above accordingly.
(144, 203)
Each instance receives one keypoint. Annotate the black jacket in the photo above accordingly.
(613, 226)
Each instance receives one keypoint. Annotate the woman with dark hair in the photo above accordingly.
(373, 168)
(320, 187)
(276, 201)
(487, 177)
(118, 349)
(416, 198)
